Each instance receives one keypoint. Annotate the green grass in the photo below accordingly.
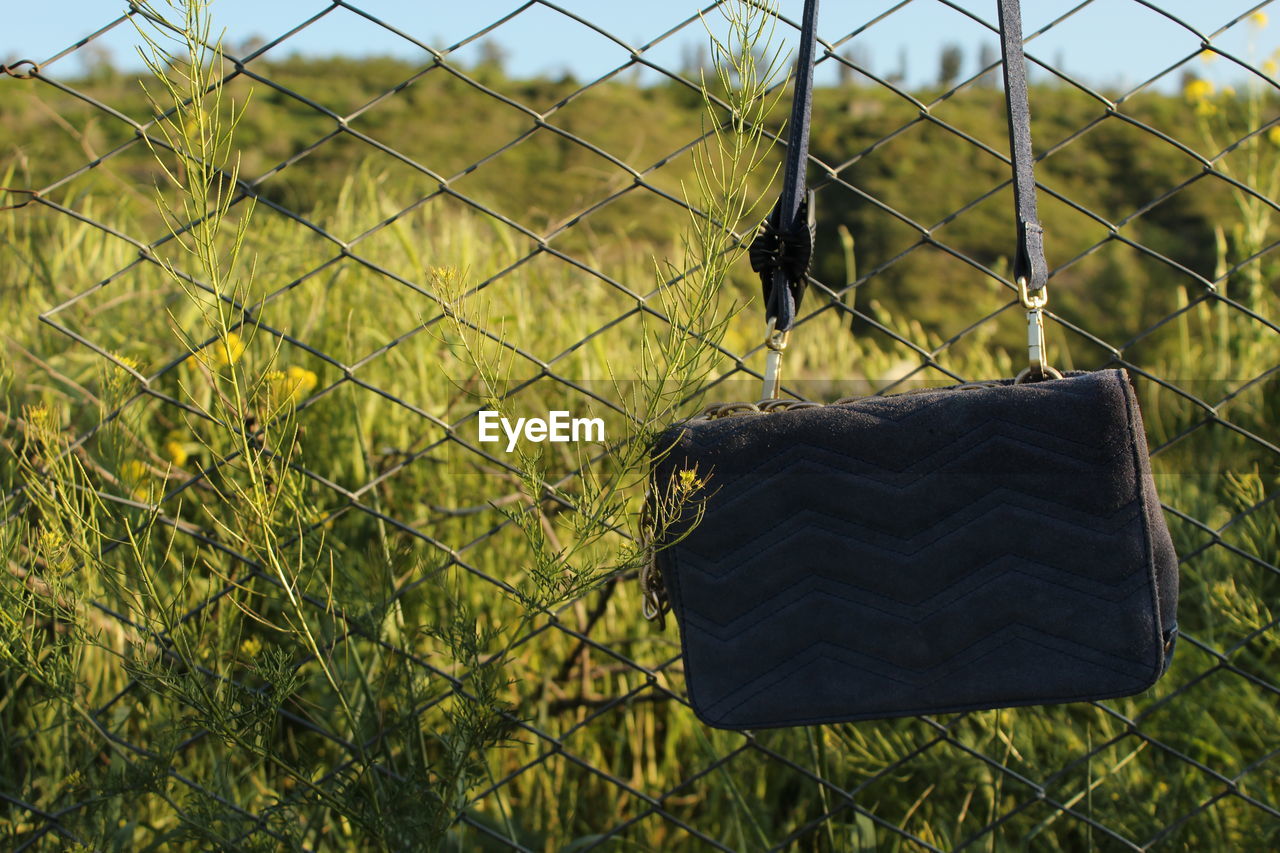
(360, 537)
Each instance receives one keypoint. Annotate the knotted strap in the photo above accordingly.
(781, 253)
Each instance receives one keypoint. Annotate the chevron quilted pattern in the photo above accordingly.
(921, 553)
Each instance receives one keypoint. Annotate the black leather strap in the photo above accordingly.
(1029, 262)
(782, 252)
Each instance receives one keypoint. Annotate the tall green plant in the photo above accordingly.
(684, 322)
(263, 509)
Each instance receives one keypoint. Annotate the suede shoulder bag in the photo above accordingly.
(986, 545)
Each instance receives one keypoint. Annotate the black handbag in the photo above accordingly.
(986, 545)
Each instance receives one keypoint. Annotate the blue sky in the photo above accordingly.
(1111, 42)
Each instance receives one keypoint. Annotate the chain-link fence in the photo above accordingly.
(1158, 206)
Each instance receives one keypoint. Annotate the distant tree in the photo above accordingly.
(900, 75)
(693, 59)
(97, 60)
(949, 63)
(854, 58)
(249, 44)
(988, 55)
(493, 56)
(845, 72)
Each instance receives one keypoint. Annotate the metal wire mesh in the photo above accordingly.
(841, 791)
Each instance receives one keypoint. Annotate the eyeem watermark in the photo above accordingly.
(557, 426)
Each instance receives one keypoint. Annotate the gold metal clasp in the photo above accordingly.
(1037, 351)
(1035, 341)
(776, 341)
(1032, 301)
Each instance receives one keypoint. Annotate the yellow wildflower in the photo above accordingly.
(1197, 90)
(689, 480)
(291, 384)
(1269, 67)
(443, 275)
(250, 647)
(315, 516)
(52, 540)
(177, 452)
(1199, 94)
(303, 380)
(39, 416)
(1259, 19)
(55, 548)
(1207, 56)
(228, 350)
(177, 446)
(133, 474)
(1273, 135)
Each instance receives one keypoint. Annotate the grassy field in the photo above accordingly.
(264, 591)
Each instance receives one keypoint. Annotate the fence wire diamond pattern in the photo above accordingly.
(828, 787)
